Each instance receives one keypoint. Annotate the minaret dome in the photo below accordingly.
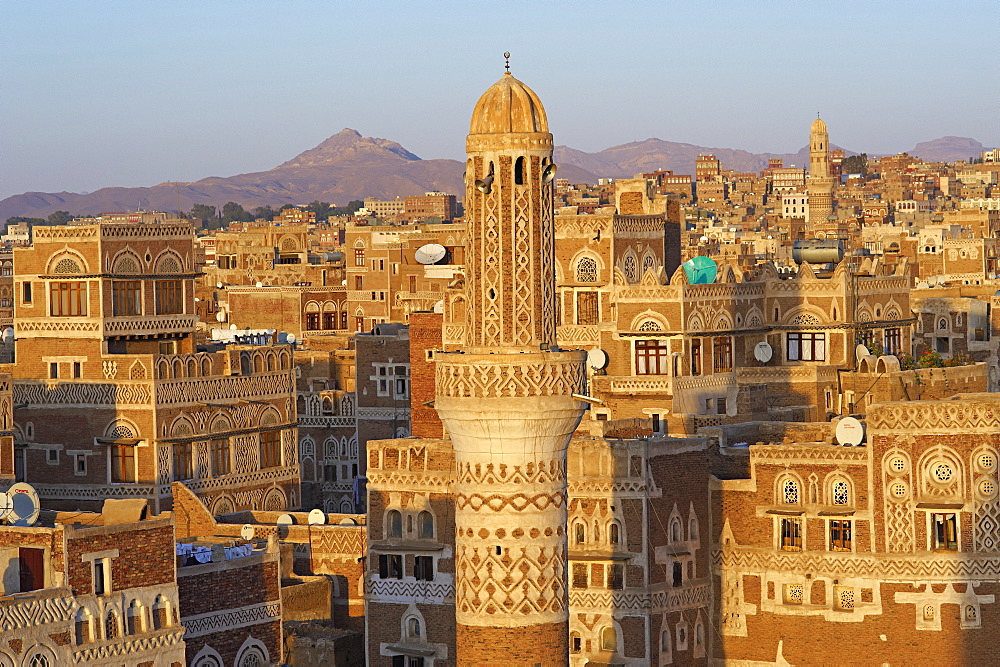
(508, 106)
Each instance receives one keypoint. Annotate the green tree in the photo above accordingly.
(351, 207)
(264, 213)
(322, 209)
(855, 164)
(60, 218)
(203, 212)
(233, 212)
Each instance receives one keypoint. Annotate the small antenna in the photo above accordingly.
(506, 59)
(817, 114)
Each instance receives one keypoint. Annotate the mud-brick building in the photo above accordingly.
(113, 398)
(888, 548)
(91, 589)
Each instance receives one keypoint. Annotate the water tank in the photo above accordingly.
(818, 251)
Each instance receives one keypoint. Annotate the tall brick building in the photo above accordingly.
(113, 398)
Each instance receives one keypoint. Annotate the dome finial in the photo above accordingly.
(506, 61)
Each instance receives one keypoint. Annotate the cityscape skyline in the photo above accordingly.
(142, 135)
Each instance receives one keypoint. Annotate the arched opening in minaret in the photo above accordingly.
(519, 171)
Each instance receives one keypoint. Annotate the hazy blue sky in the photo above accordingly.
(137, 93)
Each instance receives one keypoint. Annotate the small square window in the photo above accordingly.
(80, 464)
(52, 456)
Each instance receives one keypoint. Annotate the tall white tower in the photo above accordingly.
(507, 398)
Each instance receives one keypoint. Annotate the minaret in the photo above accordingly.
(507, 398)
(820, 181)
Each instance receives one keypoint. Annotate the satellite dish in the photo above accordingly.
(5, 505)
(862, 351)
(285, 520)
(259, 284)
(220, 316)
(850, 432)
(248, 532)
(24, 505)
(923, 285)
(597, 358)
(317, 517)
(347, 521)
(549, 173)
(439, 306)
(232, 327)
(430, 253)
(701, 270)
(219, 284)
(763, 352)
(290, 338)
(8, 335)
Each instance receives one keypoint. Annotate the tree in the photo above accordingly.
(203, 212)
(351, 207)
(233, 212)
(855, 164)
(60, 218)
(264, 213)
(322, 210)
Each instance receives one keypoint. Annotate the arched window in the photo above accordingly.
(252, 657)
(161, 613)
(519, 171)
(609, 638)
(586, 270)
(693, 529)
(394, 524)
(699, 634)
(840, 493)
(580, 533)
(575, 642)
(413, 628)
(84, 634)
(614, 535)
(134, 619)
(425, 524)
(665, 641)
(675, 530)
(790, 492)
(39, 660)
(631, 267)
(111, 626)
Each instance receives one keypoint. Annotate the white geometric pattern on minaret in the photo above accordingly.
(506, 399)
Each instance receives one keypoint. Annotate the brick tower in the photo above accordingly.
(820, 181)
(507, 398)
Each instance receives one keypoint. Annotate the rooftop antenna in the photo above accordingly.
(506, 59)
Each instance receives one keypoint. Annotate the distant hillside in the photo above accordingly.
(644, 156)
(344, 167)
(947, 149)
(349, 166)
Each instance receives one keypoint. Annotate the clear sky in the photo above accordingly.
(136, 93)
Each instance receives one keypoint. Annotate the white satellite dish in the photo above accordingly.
(24, 505)
(850, 432)
(232, 327)
(347, 521)
(597, 358)
(248, 532)
(220, 316)
(5, 506)
(219, 285)
(430, 253)
(285, 520)
(8, 335)
(259, 284)
(762, 352)
(922, 285)
(317, 517)
(862, 351)
(290, 338)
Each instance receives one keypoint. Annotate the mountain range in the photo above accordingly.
(350, 166)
